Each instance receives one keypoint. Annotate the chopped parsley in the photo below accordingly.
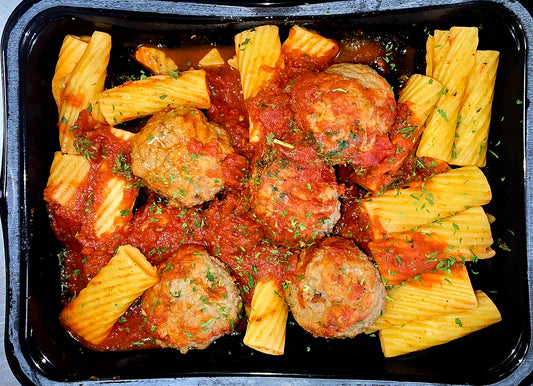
(84, 147)
(122, 167)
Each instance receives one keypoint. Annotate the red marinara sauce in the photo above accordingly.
(401, 259)
(75, 224)
(223, 226)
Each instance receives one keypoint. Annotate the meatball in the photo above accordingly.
(336, 291)
(179, 154)
(295, 196)
(349, 108)
(195, 302)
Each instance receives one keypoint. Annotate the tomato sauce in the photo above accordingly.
(354, 223)
(387, 54)
(399, 259)
(271, 109)
(241, 243)
(359, 49)
(158, 230)
(224, 226)
(227, 105)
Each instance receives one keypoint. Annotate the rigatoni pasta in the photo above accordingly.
(437, 138)
(421, 203)
(430, 54)
(109, 213)
(142, 97)
(436, 50)
(472, 132)
(427, 295)
(309, 44)
(467, 234)
(67, 174)
(92, 314)
(212, 58)
(85, 83)
(421, 93)
(267, 320)
(258, 57)
(71, 52)
(122, 134)
(419, 335)
(452, 58)
(463, 236)
(155, 60)
(454, 54)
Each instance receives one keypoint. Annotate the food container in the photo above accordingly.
(40, 351)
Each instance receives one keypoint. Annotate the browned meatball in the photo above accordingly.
(180, 155)
(349, 108)
(295, 196)
(336, 291)
(195, 302)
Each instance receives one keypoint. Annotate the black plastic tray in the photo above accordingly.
(41, 352)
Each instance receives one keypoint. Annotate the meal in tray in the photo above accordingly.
(267, 178)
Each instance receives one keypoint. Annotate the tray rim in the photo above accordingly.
(13, 35)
